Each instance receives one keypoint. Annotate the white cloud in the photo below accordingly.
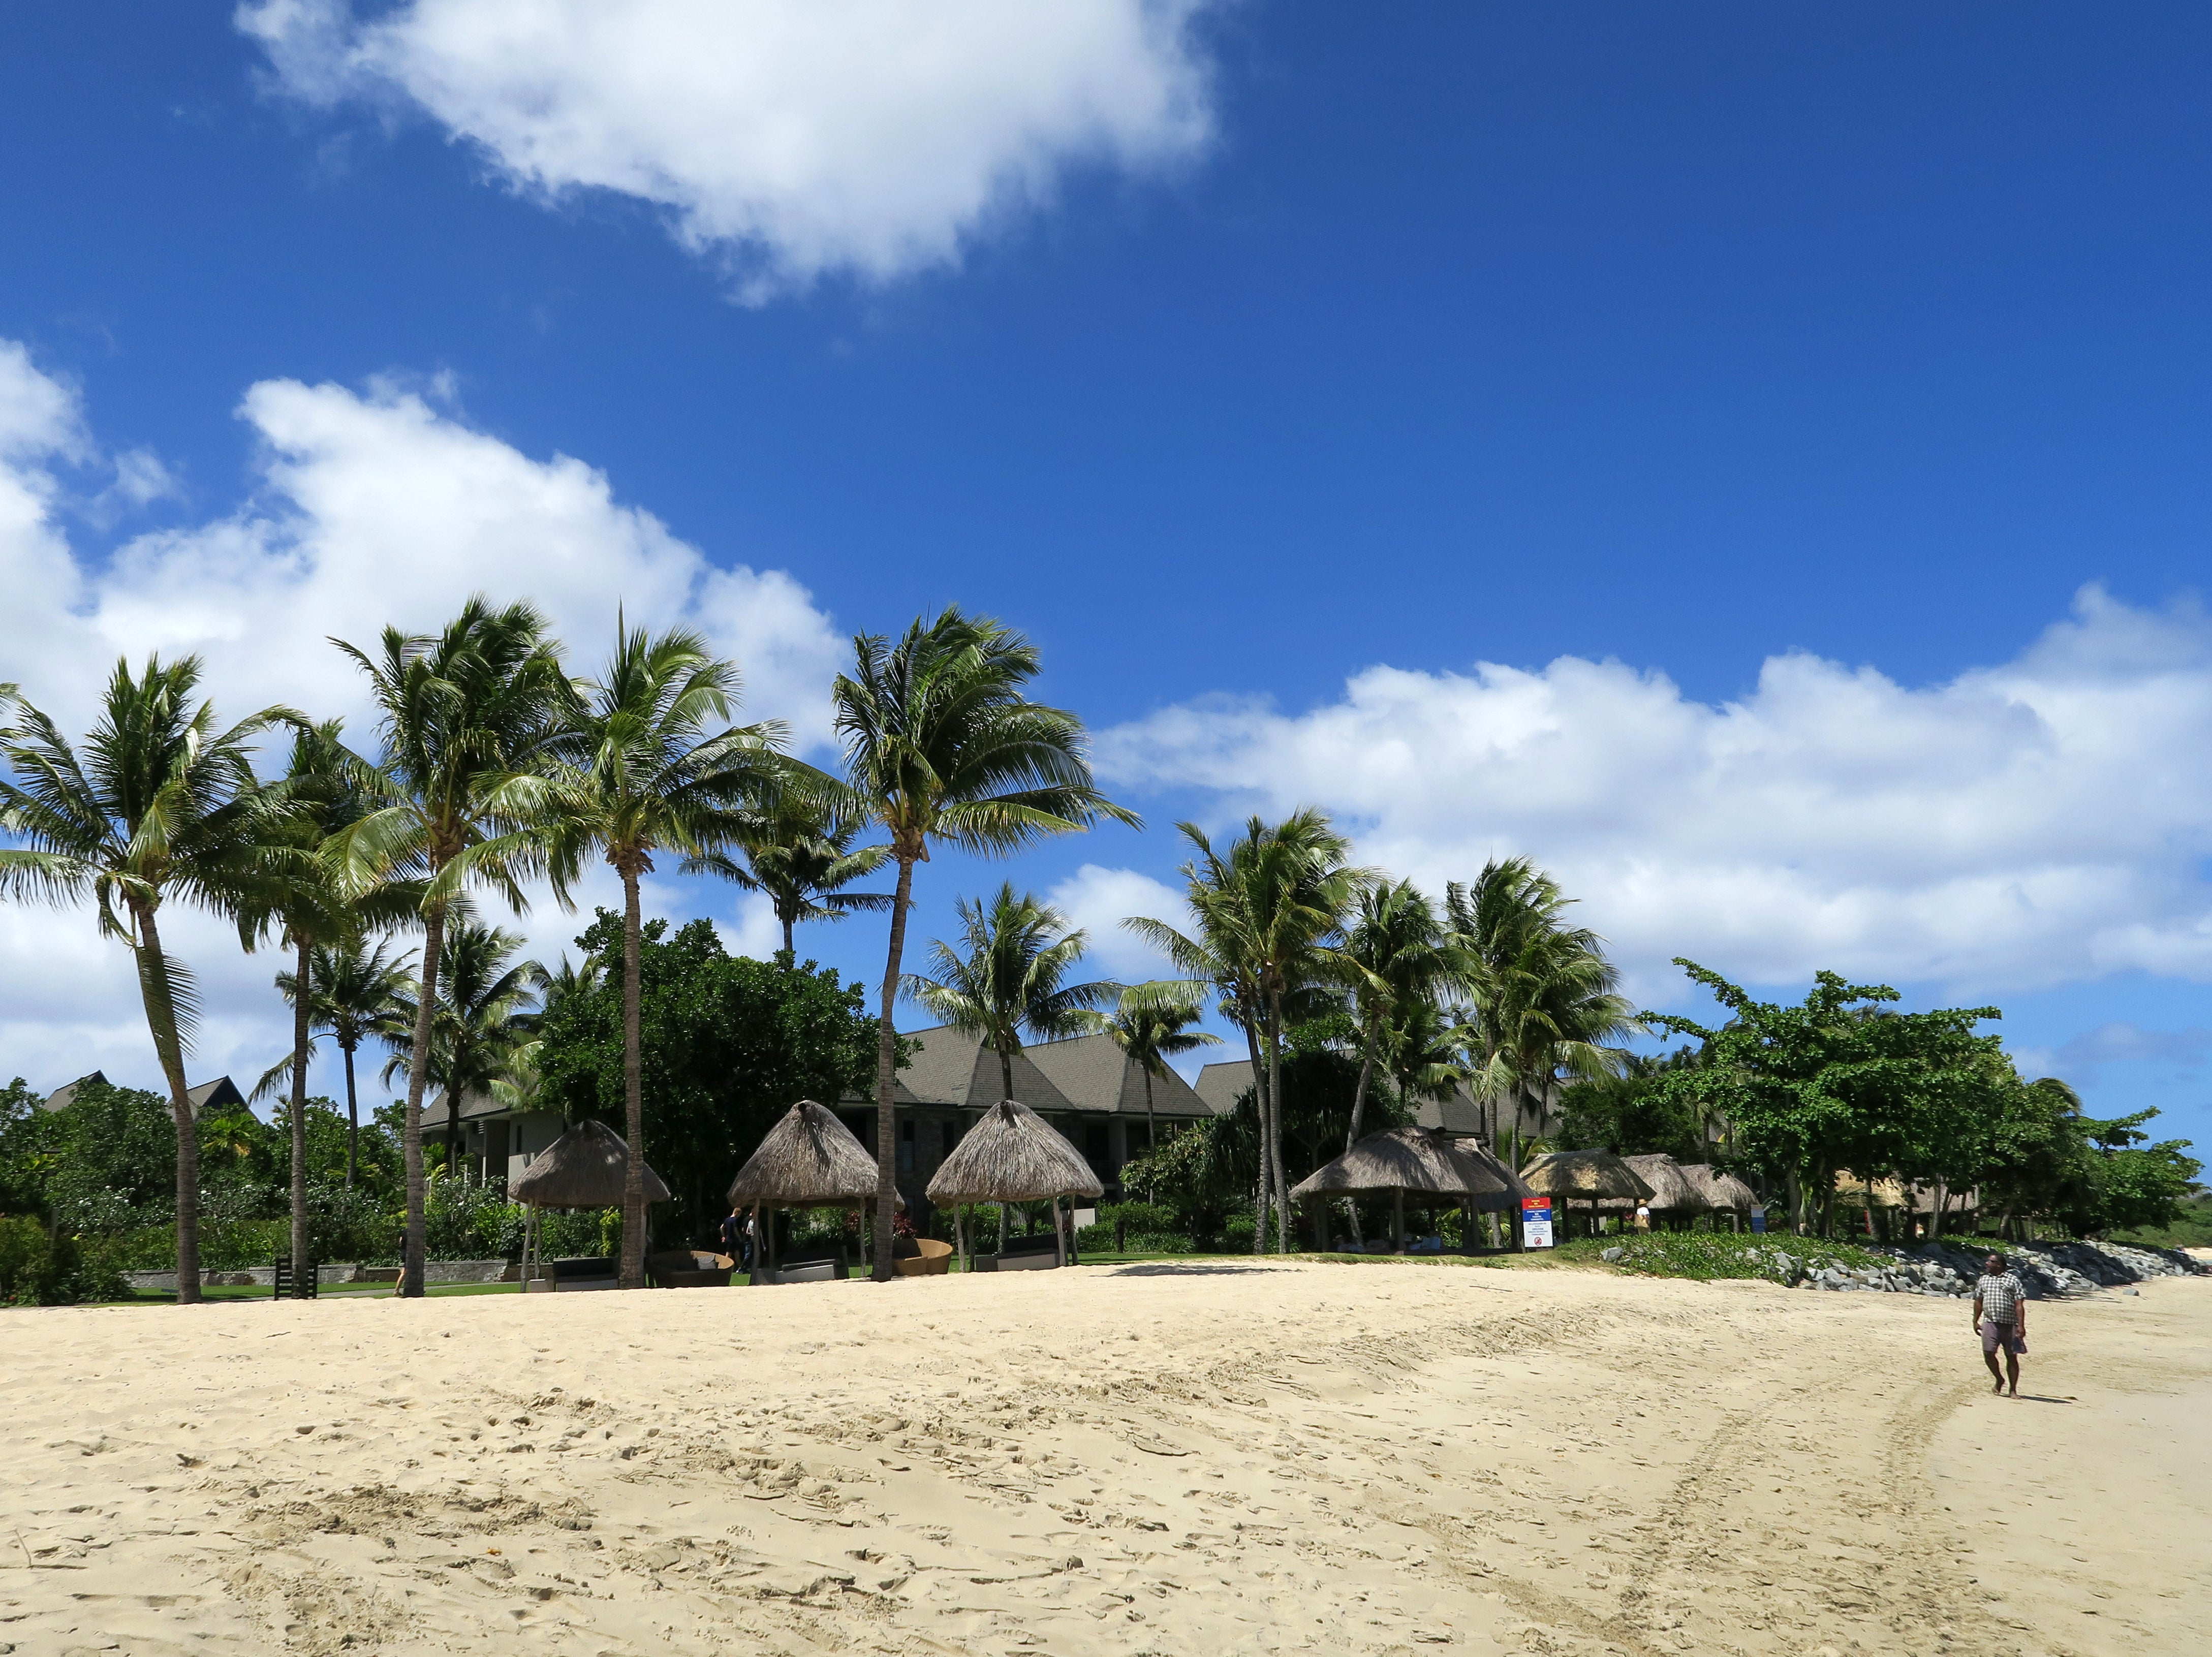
(1098, 899)
(371, 508)
(2023, 825)
(795, 137)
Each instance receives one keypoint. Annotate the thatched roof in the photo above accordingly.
(1584, 1174)
(1516, 1186)
(809, 1160)
(583, 1168)
(1851, 1191)
(1720, 1190)
(1012, 1156)
(1671, 1194)
(1416, 1159)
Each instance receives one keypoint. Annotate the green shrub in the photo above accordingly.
(39, 1268)
(1706, 1255)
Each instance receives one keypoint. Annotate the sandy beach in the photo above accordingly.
(1209, 1458)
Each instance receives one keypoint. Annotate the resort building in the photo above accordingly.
(1086, 1087)
(1221, 1085)
(218, 1095)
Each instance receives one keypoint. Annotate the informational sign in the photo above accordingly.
(1084, 1218)
(1759, 1219)
(1536, 1222)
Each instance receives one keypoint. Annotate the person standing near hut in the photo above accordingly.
(734, 1241)
(2001, 1320)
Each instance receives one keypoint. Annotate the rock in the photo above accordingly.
(1611, 1255)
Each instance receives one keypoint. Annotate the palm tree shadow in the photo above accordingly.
(1165, 1269)
(2038, 1398)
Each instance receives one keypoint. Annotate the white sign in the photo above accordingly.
(1536, 1223)
(1084, 1216)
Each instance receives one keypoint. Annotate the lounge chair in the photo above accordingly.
(582, 1273)
(920, 1257)
(690, 1268)
(821, 1265)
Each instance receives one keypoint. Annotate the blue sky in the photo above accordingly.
(1802, 411)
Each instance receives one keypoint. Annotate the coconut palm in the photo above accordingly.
(800, 854)
(357, 990)
(1267, 913)
(942, 747)
(161, 805)
(468, 719)
(1150, 1023)
(1393, 960)
(485, 1000)
(651, 764)
(1008, 976)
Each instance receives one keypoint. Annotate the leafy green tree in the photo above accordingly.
(1008, 976)
(1630, 1115)
(944, 747)
(469, 720)
(1393, 960)
(799, 854)
(1829, 1085)
(728, 1045)
(162, 805)
(29, 1138)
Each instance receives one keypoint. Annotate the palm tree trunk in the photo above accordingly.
(789, 947)
(1275, 1123)
(411, 1127)
(1259, 1110)
(1152, 1129)
(886, 1071)
(1006, 1072)
(353, 1121)
(1351, 1132)
(161, 1023)
(632, 1246)
(302, 1012)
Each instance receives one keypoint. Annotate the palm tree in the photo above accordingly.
(644, 769)
(1497, 926)
(468, 719)
(1393, 960)
(942, 747)
(162, 804)
(485, 1000)
(800, 854)
(1150, 1025)
(1009, 976)
(355, 991)
(1266, 913)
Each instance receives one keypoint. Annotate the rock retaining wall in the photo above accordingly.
(264, 1277)
(2050, 1270)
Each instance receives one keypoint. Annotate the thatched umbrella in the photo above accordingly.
(1014, 1155)
(1593, 1176)
(1425, 1161)
(809, 1159)
(1723, 1192)
(1516, 1189)
(584, 1167)
(1671, 1193)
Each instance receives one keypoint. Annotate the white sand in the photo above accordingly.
(1223, 1458)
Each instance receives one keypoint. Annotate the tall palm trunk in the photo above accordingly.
(886, 1071)
(1151, 1126)
(303, 1013)
(353, 1118)
(1260, 1111)
(1275, 1123)
(1352, 1132)
(632, 1246)
(789, 947)
(161, 1022)
(411, 1127)
(1006, 1072)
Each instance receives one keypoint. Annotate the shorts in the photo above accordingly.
(2007, 1335)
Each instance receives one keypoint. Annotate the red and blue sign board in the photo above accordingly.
(1536, 1222)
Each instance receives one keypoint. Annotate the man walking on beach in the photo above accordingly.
(2001, 1320)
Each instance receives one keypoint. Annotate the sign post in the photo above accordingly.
(1536, 1222)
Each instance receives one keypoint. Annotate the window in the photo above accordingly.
(906, 1147)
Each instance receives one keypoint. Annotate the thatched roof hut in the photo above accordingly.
(1721, 1190)
(1586, 1176)
(809, 1159)
(1516, 1187)
(584, 1167)
(1012, 1156)
(1671, 1194)
(1416, 1159)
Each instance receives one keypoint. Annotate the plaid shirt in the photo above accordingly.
(2000, 1296)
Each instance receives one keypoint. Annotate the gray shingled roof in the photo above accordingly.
(1085, 1073)
(220, 1092)
(1221, 1084)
